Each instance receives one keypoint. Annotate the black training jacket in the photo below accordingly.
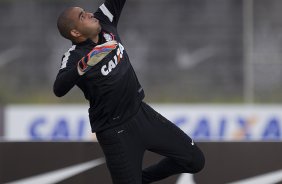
(111, 86)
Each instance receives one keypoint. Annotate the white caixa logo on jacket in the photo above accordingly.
(107, 68)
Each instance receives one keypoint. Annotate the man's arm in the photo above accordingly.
(65, 82)
(73, 66)
(68, 74)
(110, 11)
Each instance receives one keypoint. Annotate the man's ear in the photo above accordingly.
(75, 33)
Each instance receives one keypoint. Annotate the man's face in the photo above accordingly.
(85, 23)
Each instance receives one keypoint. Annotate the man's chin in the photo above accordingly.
(99, 29)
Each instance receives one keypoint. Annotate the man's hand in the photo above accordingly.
(95, 56)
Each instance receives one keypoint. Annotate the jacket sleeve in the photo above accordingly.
(68, 74)
(110, 11)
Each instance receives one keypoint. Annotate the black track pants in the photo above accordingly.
(124, 147)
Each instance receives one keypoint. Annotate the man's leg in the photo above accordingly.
(168, 167)
(123, 154)
(164, 138)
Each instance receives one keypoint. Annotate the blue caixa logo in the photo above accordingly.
(41, 128)
(221, 128)
(225, 128)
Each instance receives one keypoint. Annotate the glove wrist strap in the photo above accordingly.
(82, 66)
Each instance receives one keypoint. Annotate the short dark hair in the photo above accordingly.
(65, 23)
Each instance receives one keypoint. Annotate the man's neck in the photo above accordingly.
(95, 39)
(82, 39)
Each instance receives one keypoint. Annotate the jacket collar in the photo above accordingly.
(89, 41)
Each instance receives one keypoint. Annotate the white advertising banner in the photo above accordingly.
(47, 122)
(201, 122)
(227, 122)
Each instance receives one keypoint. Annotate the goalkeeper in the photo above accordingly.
(125, 125)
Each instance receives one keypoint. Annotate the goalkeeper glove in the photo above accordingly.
(95, 56)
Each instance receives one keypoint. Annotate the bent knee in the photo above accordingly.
(198, 162)
(198, 166)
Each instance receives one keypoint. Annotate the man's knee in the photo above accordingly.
(196, 164)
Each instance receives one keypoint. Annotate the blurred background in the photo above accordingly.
(213, 67)
(186, 51)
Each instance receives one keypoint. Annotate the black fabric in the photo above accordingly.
(115, 7)
(124, 147)
(111, 86)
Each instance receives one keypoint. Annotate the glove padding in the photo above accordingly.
(95, 56)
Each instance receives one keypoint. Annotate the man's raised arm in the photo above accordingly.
(110, 11)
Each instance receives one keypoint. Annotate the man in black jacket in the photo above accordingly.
(125, 126)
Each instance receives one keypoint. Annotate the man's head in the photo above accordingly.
(77, 25)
